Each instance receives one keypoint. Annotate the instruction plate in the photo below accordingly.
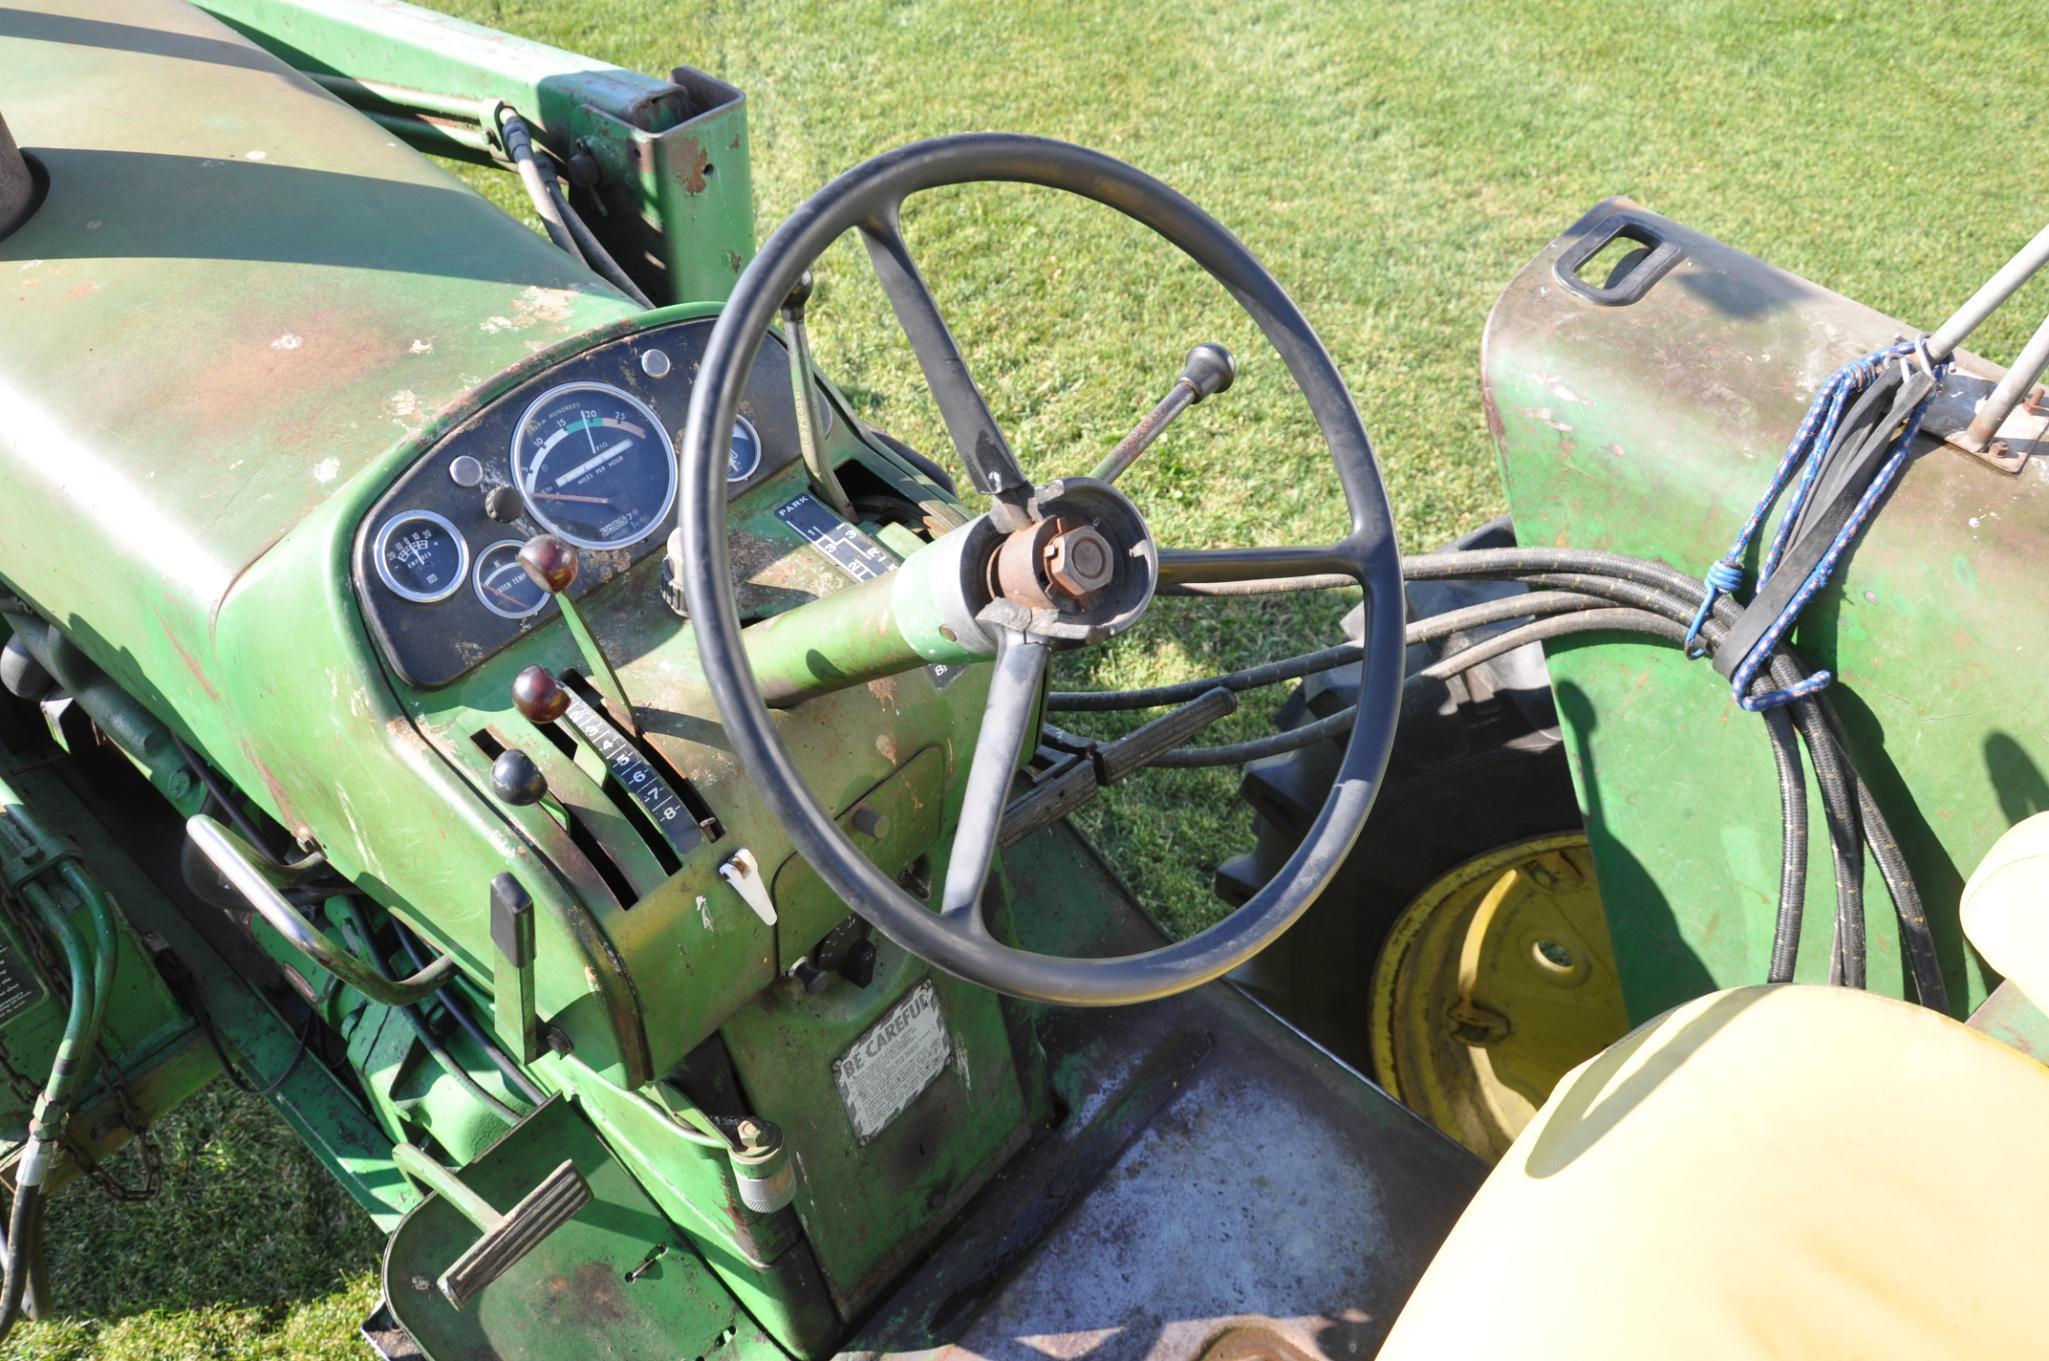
(19, 987)
(895, 1059)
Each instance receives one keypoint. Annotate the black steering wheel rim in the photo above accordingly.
(868, 198)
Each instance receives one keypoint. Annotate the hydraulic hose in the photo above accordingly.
(1853, 817)
(52, 1110)
(105, 944)
(1309, 663)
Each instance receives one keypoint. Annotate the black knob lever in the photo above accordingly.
(516, 779)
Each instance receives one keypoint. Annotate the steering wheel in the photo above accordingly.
(956, 937)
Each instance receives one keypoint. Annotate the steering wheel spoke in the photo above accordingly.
(1186, 566)
(1007, 731)
(991, 465)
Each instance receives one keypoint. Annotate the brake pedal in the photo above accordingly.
(506, 1237)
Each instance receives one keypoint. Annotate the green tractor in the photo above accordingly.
(489, 693)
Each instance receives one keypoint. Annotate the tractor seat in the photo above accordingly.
(1772, 1172)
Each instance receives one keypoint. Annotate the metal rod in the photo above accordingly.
(2020, 379)
(1209, 370)
(423, 1170)
(356, 93)
(221, 851)
(1995, 291)
(809, 443)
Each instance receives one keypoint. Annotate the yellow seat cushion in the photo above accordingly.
(1784, 1172)
(2006, 907)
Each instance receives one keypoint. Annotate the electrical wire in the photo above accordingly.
(425, 1033)
(235, 1076)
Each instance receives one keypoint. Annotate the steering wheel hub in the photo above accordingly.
(1084, 568)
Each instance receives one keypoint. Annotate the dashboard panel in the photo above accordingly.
(585, 451)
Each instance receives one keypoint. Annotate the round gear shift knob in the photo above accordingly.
(549, 561)
(538, 696)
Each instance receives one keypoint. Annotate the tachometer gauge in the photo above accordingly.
(502, 585)
(744, 456)
(421, 556)
(594, 465)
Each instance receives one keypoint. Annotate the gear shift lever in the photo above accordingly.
(551, 564)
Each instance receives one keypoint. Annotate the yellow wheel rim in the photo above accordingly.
(1495, 982)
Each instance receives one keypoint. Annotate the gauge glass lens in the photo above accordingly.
(744, 456)
(502, 584)
(421, 556)
(594, 465)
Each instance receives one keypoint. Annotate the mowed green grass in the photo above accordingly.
(1394, 165)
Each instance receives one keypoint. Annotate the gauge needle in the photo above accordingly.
(602, 456)
(568, 496)
(506, 596)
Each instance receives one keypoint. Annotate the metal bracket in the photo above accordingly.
(2025, 430)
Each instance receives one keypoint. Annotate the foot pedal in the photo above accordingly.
(507, 1237)
(546, 1208)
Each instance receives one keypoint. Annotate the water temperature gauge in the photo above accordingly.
(502, 584)
(420, 556)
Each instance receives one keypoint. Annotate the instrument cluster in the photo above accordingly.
(586, 452)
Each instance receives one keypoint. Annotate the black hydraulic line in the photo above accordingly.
(428, 1039)
(236, 1078)
(1652, 586)
(1855, 821)
(1930, 988)
(453, 1003)
(1792, 848)
(1337, 724)
(1436, 626)
(1846, 845)
(1676, 586)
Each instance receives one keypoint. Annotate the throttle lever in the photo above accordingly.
(1209, 370)
(551, 564)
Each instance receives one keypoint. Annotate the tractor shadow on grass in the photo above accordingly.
(247, 1222)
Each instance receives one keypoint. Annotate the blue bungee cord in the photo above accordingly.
(1808, 451)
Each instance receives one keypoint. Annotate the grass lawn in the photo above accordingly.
(1392, 164)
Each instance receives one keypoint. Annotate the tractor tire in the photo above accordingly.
(1479, 773)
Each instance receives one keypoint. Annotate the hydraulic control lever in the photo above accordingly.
(1209, 370)
(551, 564)
(809, 437)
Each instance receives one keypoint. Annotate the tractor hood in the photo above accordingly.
(236, 295)
(238, 310)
